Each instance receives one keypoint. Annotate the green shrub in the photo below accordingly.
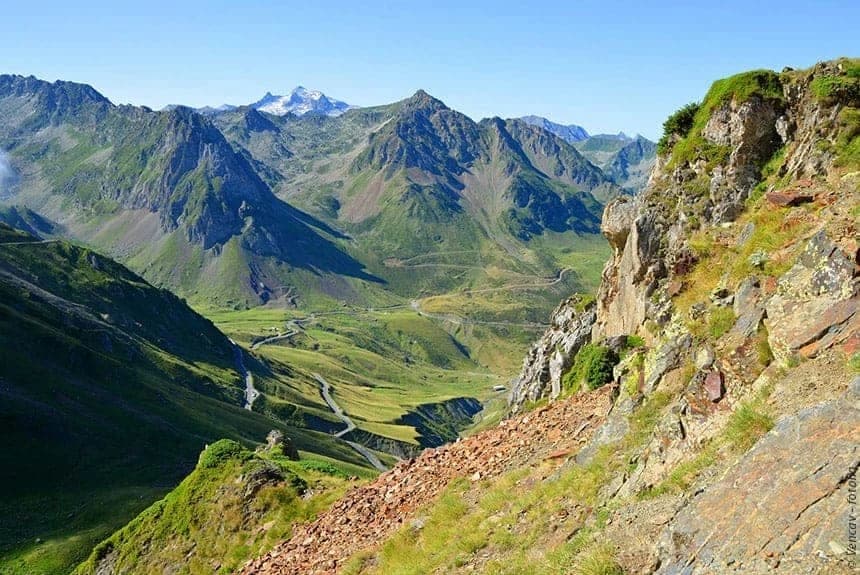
(321, 467)
(634, 341)
(854, 362)
(592, 366)
(684, 474)
(585, 300)
(763, 351)
(829, 88)
(678, 124)
(599, 560)
(847, 147)
(764, 84)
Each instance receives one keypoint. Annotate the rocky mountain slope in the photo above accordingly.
(162, 191)
(738, 267)
(725, 337)
(371, 512)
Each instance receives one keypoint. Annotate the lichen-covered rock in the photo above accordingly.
(816, 304)
(748, 307)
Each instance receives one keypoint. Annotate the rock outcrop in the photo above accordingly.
(816, 304)
(550, 356)
(735, 344)
(786, 496)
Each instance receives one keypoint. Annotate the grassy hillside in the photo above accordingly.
(234, 505)
(382, 364)
(110, 387)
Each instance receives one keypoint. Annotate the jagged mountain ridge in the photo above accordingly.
(157, 189)
(626, 161)
(570, 133)
(434, 158)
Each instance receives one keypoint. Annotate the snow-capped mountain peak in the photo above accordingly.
(301, 101)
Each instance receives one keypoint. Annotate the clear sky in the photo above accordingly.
(608, 66)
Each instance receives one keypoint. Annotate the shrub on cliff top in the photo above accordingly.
(764, 84)
(678, 124)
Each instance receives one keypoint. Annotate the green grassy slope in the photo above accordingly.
(381, 363)
(109, 389)
(234, 505)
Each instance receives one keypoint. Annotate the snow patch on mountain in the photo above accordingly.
(301, 101)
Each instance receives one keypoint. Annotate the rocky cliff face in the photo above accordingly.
(738, 268)
(550, 356)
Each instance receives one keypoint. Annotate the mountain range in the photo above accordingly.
(244, 206)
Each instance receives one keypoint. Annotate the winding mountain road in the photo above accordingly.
(545, 282)
(273, 339)
(33, 243)
(251, 393)
(325, 391)
(453, 318)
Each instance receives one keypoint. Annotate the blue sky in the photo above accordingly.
(608, 66)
